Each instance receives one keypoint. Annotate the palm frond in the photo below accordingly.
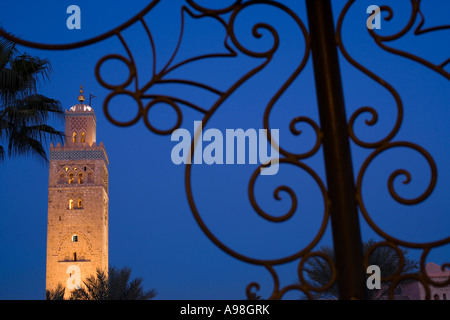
(24, 114)
(7, 50)
(56, 294)
(21, 144)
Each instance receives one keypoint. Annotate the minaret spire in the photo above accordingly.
(77, 225)
(81, 97)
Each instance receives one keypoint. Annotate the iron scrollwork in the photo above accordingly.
(387, 143)
(226, 17)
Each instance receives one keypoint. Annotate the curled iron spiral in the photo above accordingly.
(386, 144)
(226, 17)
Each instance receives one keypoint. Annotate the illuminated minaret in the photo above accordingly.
(77, 227)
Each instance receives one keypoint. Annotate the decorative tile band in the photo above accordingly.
(78, 155)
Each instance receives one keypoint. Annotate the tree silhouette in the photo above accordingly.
(56, 294)
(319, 272)
(23, 112)
(113, 285)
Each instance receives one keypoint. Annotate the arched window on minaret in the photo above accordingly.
(70, 204)
(83, 137)
(80, 178)
(74, 137)
(70, 178)
(74, 256)
(80, 204)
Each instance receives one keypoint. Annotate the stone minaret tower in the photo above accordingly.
(77, 227)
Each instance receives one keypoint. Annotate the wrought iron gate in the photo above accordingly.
(342, 191)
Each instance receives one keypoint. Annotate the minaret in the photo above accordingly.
(77, 227)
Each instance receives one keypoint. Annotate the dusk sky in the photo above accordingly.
(151, 226)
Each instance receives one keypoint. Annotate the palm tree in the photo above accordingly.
(23, 112)
(319, 271)
(57, 294)
(113, 285)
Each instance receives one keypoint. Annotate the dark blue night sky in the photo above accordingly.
(151, 226)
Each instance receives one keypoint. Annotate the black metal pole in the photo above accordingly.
(336, 147)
